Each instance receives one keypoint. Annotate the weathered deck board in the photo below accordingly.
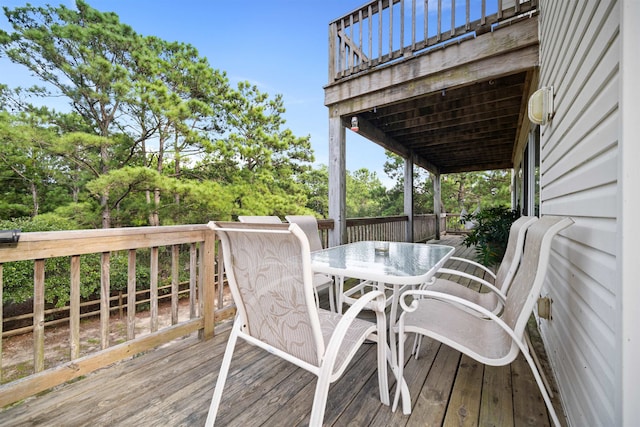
(173, 385)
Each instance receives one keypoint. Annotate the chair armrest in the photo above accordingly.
(483, 282)
(475, 264)
(348, 317)
(458, 303)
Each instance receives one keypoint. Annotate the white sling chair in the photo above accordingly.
(475, 330)
(309, 224)
(269, 273)
(500, 280)
(320, 281)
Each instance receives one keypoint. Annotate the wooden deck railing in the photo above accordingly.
(382, 31)
(168, 253)
(198, 241)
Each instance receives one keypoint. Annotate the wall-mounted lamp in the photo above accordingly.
(541, 105)
(354, 124)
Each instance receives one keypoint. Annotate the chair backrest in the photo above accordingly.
(309, 225)
(260, 219)
(269, 272)
(528, 281)
(513, 253)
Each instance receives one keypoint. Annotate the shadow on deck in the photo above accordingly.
(173, 385)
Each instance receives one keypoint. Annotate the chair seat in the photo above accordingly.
(355, 336)
(488, 300)
(483, 339)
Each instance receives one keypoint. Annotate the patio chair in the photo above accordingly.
(476, 331)
(269, 273)
(309, 224)
(501, 279)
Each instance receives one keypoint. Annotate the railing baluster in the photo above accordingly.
(467, 25)
(401, 26)
(193, 274)
(38, 315)
(343, 64)
(439, 20)
(131, 295)
(175, 271)
(105, 290)
(426, 22)
(413, 24)
(370, 24)
(74, 308)
(453, 18)
(483, 18)
(153, 290)
(390, 29)
(380, 30)
(360, 47)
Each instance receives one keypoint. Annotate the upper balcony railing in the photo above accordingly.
(382, 31)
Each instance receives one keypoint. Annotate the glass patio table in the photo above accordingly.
(395, 267)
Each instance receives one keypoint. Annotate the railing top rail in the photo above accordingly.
(51, 244)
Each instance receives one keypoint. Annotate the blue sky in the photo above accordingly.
(279, 45)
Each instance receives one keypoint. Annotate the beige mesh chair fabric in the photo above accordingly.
(269, 274)
(501, 279)
(476, 331)
(309, 224)
(260, 219)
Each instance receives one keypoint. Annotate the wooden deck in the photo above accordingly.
(173, 385)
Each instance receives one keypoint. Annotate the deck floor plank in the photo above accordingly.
(173, 385)
(464, 404)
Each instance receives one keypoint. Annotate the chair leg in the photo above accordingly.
(400, 360)
(222, 375)
(538, 364)
(541, 386)
(320, 399)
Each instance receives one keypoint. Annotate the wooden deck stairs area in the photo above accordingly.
(173, 385)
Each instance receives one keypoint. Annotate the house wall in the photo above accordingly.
(580, 52)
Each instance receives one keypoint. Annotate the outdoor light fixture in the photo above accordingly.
(541, 105)
(354, 124)
(9, 236)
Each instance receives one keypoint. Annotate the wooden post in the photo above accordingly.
(207, 262)
(408, 196)
(38, 316)
(337, 180)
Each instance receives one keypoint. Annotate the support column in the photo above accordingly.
(437, 203)
(337, 181)
(408, 196)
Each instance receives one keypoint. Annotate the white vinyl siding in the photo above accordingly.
(580, 58)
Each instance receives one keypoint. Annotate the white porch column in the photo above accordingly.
(437, 203)
(337, 181)
(408, 196)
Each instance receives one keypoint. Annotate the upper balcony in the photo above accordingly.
(443, 82)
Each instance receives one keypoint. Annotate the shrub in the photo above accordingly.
(491, 233)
